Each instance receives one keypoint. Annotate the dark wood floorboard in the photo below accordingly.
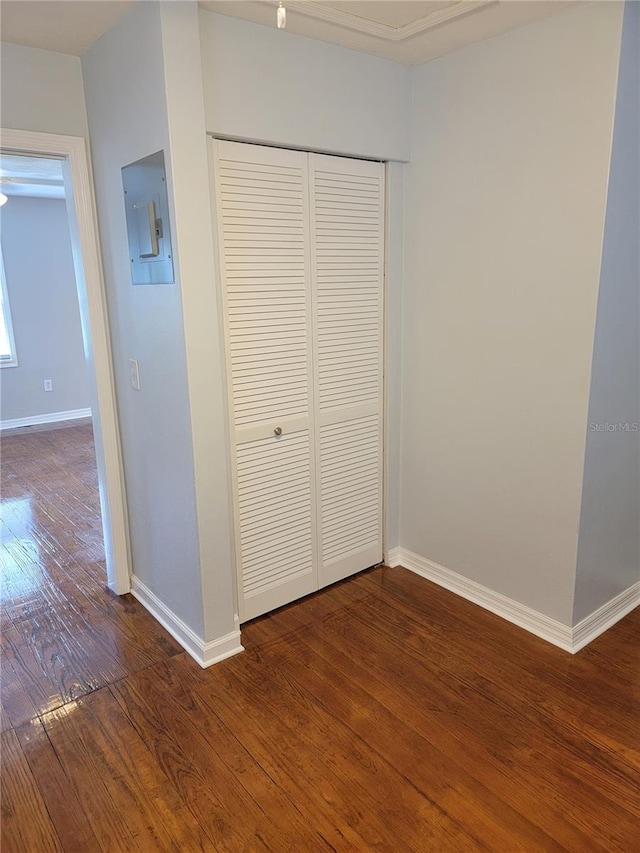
(62, 803)
(65, 634)
(383, 714)
(26, 824)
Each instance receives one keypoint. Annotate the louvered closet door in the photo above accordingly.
(347, 237)
(262, 196)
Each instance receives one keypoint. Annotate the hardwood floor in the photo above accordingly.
(381, 714)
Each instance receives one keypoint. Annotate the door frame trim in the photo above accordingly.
(81, 210)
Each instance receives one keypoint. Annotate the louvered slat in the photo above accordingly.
(347, 268)
(301, 242)
(267, 193)
(269, 536)
(264, 238)
(340, 325)
(350, 488)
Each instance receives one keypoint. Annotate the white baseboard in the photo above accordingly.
(563, 636)
(604, 617)
(531, 620)
(393, 557)
(203, 653)
(50, 418)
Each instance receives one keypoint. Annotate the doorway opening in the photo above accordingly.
(68, 154)
(51, 524)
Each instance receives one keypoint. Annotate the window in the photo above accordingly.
(8, 357)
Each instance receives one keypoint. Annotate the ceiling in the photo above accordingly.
(31, 176)
(409, 31)
(66, 26)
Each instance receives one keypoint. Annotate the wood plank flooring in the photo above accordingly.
(383, 714)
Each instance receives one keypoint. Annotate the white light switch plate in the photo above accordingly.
(134, 374)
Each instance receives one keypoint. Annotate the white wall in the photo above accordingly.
(137, 78)
(202, 324)
(41, 284)
(266, 85)
(609, 544)
(504, 220)
(41, 91)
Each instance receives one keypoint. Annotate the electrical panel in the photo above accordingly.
(147, 212)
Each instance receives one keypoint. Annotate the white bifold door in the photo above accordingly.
(302, 252)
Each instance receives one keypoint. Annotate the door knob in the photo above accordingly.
(277, 431)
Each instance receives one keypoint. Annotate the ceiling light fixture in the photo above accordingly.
(281, 16)
(3, 199)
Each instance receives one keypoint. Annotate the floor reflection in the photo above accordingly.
(21, 572)
(64, 635)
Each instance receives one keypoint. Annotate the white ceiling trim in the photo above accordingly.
(384, 31)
